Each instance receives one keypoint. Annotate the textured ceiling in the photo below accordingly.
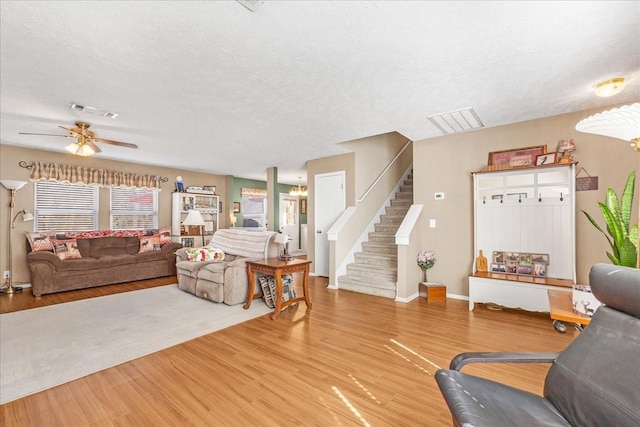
(213, 87)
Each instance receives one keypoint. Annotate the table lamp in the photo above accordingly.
(283, 239)
(195, 218)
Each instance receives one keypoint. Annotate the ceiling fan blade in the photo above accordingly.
(94, 146)
(121, 144)
(43, 134)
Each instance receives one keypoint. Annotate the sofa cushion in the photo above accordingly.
(80, 264)
(213, 272)
(205, 253)
(66, 249)
(114, 260)
(114, 246)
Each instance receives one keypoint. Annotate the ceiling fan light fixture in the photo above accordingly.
(72, 148)
(78, 149)
(610, 87)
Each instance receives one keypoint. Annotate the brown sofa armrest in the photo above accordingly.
(44, 256)
(170, 248)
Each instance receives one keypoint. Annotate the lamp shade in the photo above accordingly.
(27, 216)
(193, 218)
(281, 238)
(622, 123)
(11, 184)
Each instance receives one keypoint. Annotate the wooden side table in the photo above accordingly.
(277, 267)
(561, 310)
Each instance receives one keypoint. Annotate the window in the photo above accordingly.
(254, 202)
(65, 207)
(134, 208)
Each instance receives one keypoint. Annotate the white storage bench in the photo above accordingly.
(513, 291)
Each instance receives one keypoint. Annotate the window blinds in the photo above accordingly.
(65, 207)
(134, 208)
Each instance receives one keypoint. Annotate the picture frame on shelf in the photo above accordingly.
(540, 269)
(498, 257)
(547, 159)
(179, 187)
(236, 207)
(525, 156)
(209, 188)
(498, 268)
(303, 206)
(209, 226)
(526, 270)
(540, 258)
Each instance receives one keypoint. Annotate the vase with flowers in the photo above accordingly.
(426, 260)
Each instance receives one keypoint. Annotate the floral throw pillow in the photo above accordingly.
(66, 249)
(40, 241)
(149, 243)
(204, 254)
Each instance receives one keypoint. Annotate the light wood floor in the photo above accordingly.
(353, 360)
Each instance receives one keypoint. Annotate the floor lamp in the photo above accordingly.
(13, 186)
(195, 218)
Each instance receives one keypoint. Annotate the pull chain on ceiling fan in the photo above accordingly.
(84, 144)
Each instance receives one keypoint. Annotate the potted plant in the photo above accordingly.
(622, 237)
(617, 215)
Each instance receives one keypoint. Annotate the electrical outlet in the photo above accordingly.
(5, 275)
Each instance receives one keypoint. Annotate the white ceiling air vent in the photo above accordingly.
(457, 121)
(92, 110)
(252, 5)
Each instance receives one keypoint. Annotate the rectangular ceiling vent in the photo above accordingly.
(457, 121)
(252, 5)
(92, 110)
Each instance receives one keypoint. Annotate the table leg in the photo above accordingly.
(305, 286)
(252, 285)
(278, 297)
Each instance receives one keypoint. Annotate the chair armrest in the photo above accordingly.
(501, 357)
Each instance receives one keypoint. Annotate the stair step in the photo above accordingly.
(402, 202)
(382, 237)
(366, 286)
(382, 260)
(406, 188)
(379, 248)
(372, 272)
(407, 195)
(386, 228)
(391, 219)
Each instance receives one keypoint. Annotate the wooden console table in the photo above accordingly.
(562, 311)
(277, 267)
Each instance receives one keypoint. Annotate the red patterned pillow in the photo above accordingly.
(89, 234)
(66, 249)
(165, 235)
(150, 243)
(40, 241)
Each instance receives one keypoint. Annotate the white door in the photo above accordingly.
(329, 202)
(289, 219)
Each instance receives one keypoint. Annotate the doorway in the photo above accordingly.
(289, 223)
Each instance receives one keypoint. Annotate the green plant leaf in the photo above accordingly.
(613, 227)
(614, 260)
(628, 254)
(626, 203)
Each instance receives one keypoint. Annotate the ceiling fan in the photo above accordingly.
(85, 140)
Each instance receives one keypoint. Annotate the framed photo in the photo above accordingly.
(498, 268)
(519, 157)
(525, 259)
(209, 226)
(236, 207)
(525, 269)
(180, 187)
(547, 159)
(210, 188)
(540, 258)
(303, 206)
(498, 257)
(540, 270)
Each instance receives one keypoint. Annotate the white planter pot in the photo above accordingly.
(583, 300)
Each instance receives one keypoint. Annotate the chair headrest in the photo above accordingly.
(617, 287)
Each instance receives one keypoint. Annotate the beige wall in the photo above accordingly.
(444, 164)
(9, 169)
(341, 162)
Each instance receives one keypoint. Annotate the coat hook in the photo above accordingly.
(484, 200)
(520, 198)
(539, 197)
(561, 198)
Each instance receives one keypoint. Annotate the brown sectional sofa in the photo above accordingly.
(104, 261)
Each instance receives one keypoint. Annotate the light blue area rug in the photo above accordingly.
(48, 346)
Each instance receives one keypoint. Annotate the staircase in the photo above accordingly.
(375, 270)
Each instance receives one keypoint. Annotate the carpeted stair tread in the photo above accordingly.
(368, 286)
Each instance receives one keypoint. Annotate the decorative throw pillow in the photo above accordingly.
(66, 249)
(149, 243)
(269, 289)
(165, 235)
(205, 253)
(40, 241)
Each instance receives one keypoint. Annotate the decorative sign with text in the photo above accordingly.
(586, 183)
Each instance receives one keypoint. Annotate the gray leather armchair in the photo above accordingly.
(595, 381)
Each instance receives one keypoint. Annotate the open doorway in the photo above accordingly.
(289, 223)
